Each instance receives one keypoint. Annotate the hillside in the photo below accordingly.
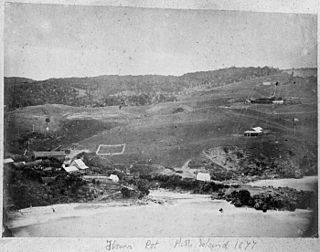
(171, 133)
(112, 90)
(168, 143)
(302, 72)
(17, 80)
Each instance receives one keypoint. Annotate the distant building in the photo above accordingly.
(114, 178)
(79, 164)
(278, 102)
(70, 169)
(266, 83)
(8, 161)
(49, 154)
(201, 176)
(256, 131)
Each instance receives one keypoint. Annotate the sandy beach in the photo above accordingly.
(182, 214)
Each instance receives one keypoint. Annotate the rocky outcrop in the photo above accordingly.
(269, 198)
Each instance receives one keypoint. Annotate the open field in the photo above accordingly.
(167, 144)
(171, 133)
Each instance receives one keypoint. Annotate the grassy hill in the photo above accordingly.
(303, 72)
(171, 133)
(166, 142)
(112, 90)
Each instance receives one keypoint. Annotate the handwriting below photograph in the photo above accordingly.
(149, 122)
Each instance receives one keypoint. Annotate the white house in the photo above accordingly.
(278, 102)
(256, 131)
(114, 178)
(8, 160)
(70, 169)
(79, 164)
(203, 176)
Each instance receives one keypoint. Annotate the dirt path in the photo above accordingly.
(186, 165)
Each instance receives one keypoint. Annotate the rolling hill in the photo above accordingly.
(115, 90)
(171, 133)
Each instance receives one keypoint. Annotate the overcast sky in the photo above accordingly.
(45, 41)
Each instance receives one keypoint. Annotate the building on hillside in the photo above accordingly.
(202, 176)
(49, 154)
(70, 169)
(79, 164)
(8, 161)
(114, 178)
(256, 131)
(278, 102)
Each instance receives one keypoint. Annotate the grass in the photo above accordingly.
(169, 137)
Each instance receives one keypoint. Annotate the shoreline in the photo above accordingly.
(306, 183)
(200, 214)
(161, 203)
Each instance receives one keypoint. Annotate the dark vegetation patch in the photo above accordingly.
(108, 90)
(282, 198)
(46, 183)
(71, 131)
(178, 110)
(31, 187)
(177, 182)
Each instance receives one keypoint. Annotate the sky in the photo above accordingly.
(50, 41)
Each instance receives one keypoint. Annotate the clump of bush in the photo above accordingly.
(282, 198)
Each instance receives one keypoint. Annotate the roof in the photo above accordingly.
(8, 161)
(278, 101)
(70, 168)
(49, 153)
(114, 177)
(257, 129)
(79, 164)
(203, 176)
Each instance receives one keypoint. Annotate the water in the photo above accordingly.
(308, 183)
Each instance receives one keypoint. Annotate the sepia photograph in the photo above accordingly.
(157, 122)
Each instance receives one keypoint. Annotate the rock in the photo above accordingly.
(264, 208)
(244, 196)
(257, 206)
(238, 203)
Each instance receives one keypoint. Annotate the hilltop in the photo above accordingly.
(109, 90)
